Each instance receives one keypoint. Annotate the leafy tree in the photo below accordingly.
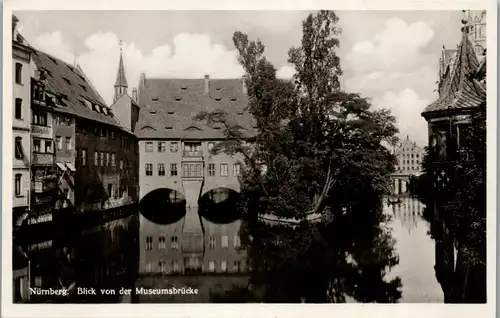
(317, 149)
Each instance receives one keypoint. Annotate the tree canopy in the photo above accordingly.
(317, 148)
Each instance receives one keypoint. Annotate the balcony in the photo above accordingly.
(41, 131)
(39, 158)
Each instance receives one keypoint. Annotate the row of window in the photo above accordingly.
(104, 133)
(173, 266)
(101, 159)
(39, 117)
(413, 168)
(174, 242)
(412, 162)
(67, 143)
(190, 148)
(411, 155)
(38, 145)
(193, 169)
(174, 146)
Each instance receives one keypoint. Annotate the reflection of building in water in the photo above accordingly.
(105, 256)
(408, 213)
(163, 253)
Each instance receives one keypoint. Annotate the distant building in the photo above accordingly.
(409, 157)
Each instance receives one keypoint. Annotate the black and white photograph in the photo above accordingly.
(249, 156)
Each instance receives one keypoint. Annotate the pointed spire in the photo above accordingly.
(458, 90)
(121, 80)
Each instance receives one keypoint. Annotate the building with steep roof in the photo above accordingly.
(462, 91)
(175, 153)
(82, 156)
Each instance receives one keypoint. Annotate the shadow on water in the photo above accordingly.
(344, 261)
(163, 206)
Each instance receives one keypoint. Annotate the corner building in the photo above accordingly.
(174, 154)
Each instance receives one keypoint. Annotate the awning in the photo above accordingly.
(61, 166)
(70, 166)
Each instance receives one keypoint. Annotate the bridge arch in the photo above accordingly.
(220, 205)
(163, 206)
(212, 185)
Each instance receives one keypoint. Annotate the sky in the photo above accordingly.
(390, 57)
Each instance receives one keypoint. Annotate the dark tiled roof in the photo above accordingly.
(169, 105)
(459, 90)
(121, 80)
(62, 79)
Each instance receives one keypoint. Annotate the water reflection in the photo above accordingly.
(416, 251)
(371, 252)
(100, 257)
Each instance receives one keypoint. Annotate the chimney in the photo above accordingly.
(244, 84)
(142, 80)
(207, 84)
(15, 26)
(134, 94)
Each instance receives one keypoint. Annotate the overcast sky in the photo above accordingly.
(389, 56)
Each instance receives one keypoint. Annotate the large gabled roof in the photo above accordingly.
(459, 89)
(69, 82)
(169, 105)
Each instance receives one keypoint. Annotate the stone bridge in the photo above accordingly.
(400, 182)
(191, 190)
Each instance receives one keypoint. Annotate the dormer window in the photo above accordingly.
(83, 87)
(67, 80)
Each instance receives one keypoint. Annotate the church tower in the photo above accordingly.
(121, 81)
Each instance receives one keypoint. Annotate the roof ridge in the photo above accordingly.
(457, 77)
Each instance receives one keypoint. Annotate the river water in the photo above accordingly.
(115, 255)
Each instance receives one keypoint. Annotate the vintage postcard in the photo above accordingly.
(203, 157)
